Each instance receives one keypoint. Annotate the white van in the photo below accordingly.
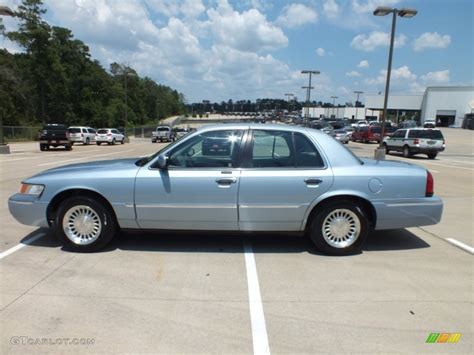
(84, 135)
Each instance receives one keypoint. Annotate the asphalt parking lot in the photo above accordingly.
(199, 293)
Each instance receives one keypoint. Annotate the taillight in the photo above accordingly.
(109, 134)
(429, 185)
(416, 141)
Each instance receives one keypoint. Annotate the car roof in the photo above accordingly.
(260, 126)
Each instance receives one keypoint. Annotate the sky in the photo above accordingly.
(247, 49)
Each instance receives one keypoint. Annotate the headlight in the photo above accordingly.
(30, 189)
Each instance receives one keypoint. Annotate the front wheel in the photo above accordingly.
(84, 225)
(432, 155)
(122, 141)
(387, 151)
(406, 152)
(340, 228)
(88, 141)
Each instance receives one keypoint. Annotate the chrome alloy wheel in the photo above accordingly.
(82, 225)
(341, 228)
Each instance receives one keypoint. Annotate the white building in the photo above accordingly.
(360, 113)
(446, 105)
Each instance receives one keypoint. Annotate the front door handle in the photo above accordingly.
(313, 181)
(226, 181)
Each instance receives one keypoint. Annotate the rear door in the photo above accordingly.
(428, 138)
(282, 174)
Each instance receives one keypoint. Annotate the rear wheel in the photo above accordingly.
(88, 141)
(432, 155)
(122, 141)
(42, 147)
(84, 225)
(406, 152)
(99, 143)
(364, 140)
(113, 141)
(69, 147)
(387, 151)
(340, 228)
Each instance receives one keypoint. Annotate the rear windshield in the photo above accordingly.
(54, 127)
(74, 130)
(375, 129)
(161, 129)
(103, 131)
(428, 133)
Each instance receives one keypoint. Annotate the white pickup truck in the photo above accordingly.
(162, 134)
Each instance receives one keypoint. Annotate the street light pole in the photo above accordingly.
(308, 92)
(357, 100)
(289, 96)
(4, 148)
(334, 105)
(383, 11)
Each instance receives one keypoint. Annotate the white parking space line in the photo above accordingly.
(449, 166)
(62, 161)
(119, 152)
(257, 317)
(21, 245)
(463, 246)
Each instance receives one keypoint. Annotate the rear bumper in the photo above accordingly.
(406, 213)
(426, 149)
(53, 141)
(28, 210)
(103, 139)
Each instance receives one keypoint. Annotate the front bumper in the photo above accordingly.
(406, 213)
(27, 209)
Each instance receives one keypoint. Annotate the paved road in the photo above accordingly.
(189, 293)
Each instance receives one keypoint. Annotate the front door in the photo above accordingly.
(199, 188)
(283, 174)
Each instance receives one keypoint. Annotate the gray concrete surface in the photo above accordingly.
(187, 293)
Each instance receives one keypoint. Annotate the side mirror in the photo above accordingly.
(162, 161)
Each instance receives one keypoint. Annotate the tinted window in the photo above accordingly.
(306, 154)
(103, 131)
(375, 129)
(217, 149)
(272, 149)
(91, 130)
(429, 133)
(74, 130)
(161, 129)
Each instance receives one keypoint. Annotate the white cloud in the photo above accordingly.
(431, 40)
(398, 75)
(361, 7)
(192, 8)
(296, 15)
(331, 9)
(353, 73)
(375, 39)
(321, 52)
(436, 77)
(246, 31)
(363, 64)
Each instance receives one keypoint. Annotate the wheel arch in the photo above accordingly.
(75, 192)
(363, 202)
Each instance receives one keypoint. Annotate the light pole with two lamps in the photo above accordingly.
(383, 11)
(308, 91)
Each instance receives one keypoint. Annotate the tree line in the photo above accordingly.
(55, 80)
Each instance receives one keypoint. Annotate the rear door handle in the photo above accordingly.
(313, 181)
(226, 181)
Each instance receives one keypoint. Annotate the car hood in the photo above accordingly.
(95, 166)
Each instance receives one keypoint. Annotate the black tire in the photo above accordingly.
(113, 141)
(432, 155)
(122, 141)
(72, 143)
(88, 141)
(99, 143)
(315, 230)
(42, 147)
(107, 220)
(406, 152)
(387, 151)
(364, 140)
(69, 147)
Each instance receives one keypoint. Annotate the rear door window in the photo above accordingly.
(102, 131)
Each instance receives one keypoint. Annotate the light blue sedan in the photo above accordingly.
(233, 178)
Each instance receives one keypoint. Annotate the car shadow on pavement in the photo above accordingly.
(228, 242)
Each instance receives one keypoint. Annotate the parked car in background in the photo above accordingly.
(341, 135)
(429, 124)
(54, 135)
(372, 123)
(110, 136)
(234, 177)
(360, 123)
(84, 135)
(162, 134)
(180, 132)
(367, 134)
(349, 130)
(416, 141)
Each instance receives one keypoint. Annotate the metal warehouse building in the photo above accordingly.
(446, 105)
